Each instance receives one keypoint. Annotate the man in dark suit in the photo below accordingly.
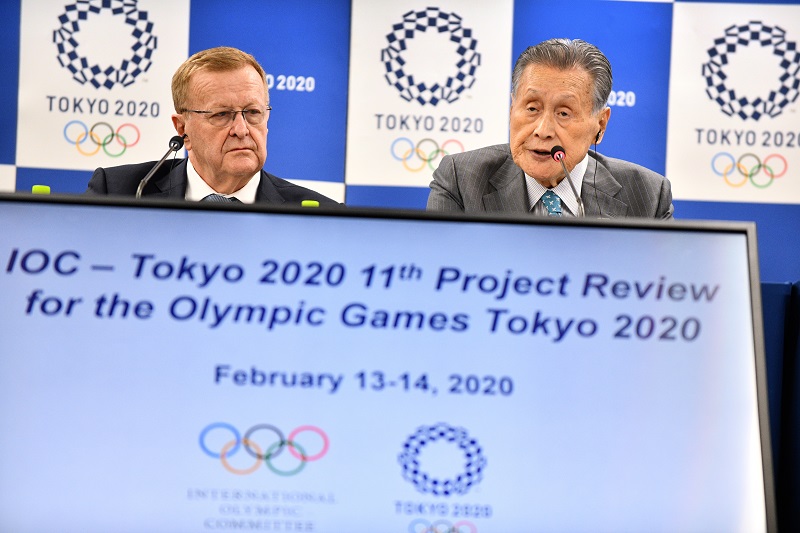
(559, 92)
(221, 110)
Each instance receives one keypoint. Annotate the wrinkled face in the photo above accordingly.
(553, 107)
(226, 157)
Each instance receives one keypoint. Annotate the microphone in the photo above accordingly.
(175, 144)
(557, 152)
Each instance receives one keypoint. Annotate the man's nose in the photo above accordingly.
(544, 126)
(239, 125)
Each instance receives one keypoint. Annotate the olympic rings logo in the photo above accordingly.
(425, 151)
(265, 454)
(748, 167)
(421, 525)
(101, 138)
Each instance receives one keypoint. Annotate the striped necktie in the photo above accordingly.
(219, 198)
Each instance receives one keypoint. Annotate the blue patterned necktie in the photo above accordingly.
(553, 203)
(218, 198)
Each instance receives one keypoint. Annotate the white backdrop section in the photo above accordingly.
(424, 82)
(744, 144)
(8, 178)
(135, 49)
(331, 189)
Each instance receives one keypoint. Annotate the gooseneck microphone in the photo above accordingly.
(175, 144)
(557, 152)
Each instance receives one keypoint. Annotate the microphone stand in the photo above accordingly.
(175, 144)
(558, 154)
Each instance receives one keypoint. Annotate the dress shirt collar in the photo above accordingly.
(568, 201)
(197, 189)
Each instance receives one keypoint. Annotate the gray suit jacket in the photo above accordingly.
(169, 182)
(488, 180)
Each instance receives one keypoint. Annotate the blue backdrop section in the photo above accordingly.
(9, 81)
(392, 197)
(59, 180)
(776, 224)
(636, 132)
(287, 37)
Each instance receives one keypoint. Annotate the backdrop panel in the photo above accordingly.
(369, 96)
(425, 82)
(96, 79)
(734, 132)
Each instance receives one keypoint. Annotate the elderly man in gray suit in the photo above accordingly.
(558, 101)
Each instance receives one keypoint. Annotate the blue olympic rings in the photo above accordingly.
(749, 174)
(101, 142)
(420, 525)
(418, 150)
(269, 453)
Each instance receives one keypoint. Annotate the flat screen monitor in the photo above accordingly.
(182, 367)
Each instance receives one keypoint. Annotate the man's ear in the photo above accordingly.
(603, 123)
(180, 127)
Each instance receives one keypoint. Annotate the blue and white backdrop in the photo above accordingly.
(369, 94)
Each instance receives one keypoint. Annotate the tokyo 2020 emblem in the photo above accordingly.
(460, 76)
(460, 442)
(778, 93)
(79, 62)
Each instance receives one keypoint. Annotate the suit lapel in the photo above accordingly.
(509, 192)
(267, 192)
(599, 191)
(171, 185)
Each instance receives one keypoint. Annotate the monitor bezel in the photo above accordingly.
(748, 229)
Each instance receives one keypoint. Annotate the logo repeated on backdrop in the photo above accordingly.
(102, 140)
(737, 171)
(411, 89)
(734, 105)
(86, 70)
(101, 96)
(785, 90)
(431, 92)
(424, 154)
(425, 82)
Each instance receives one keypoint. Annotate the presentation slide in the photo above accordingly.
(181, 368)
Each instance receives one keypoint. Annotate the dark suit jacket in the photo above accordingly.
(169, 182)
(488, 180)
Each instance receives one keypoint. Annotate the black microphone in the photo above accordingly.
(175, 144)
(558, 153)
